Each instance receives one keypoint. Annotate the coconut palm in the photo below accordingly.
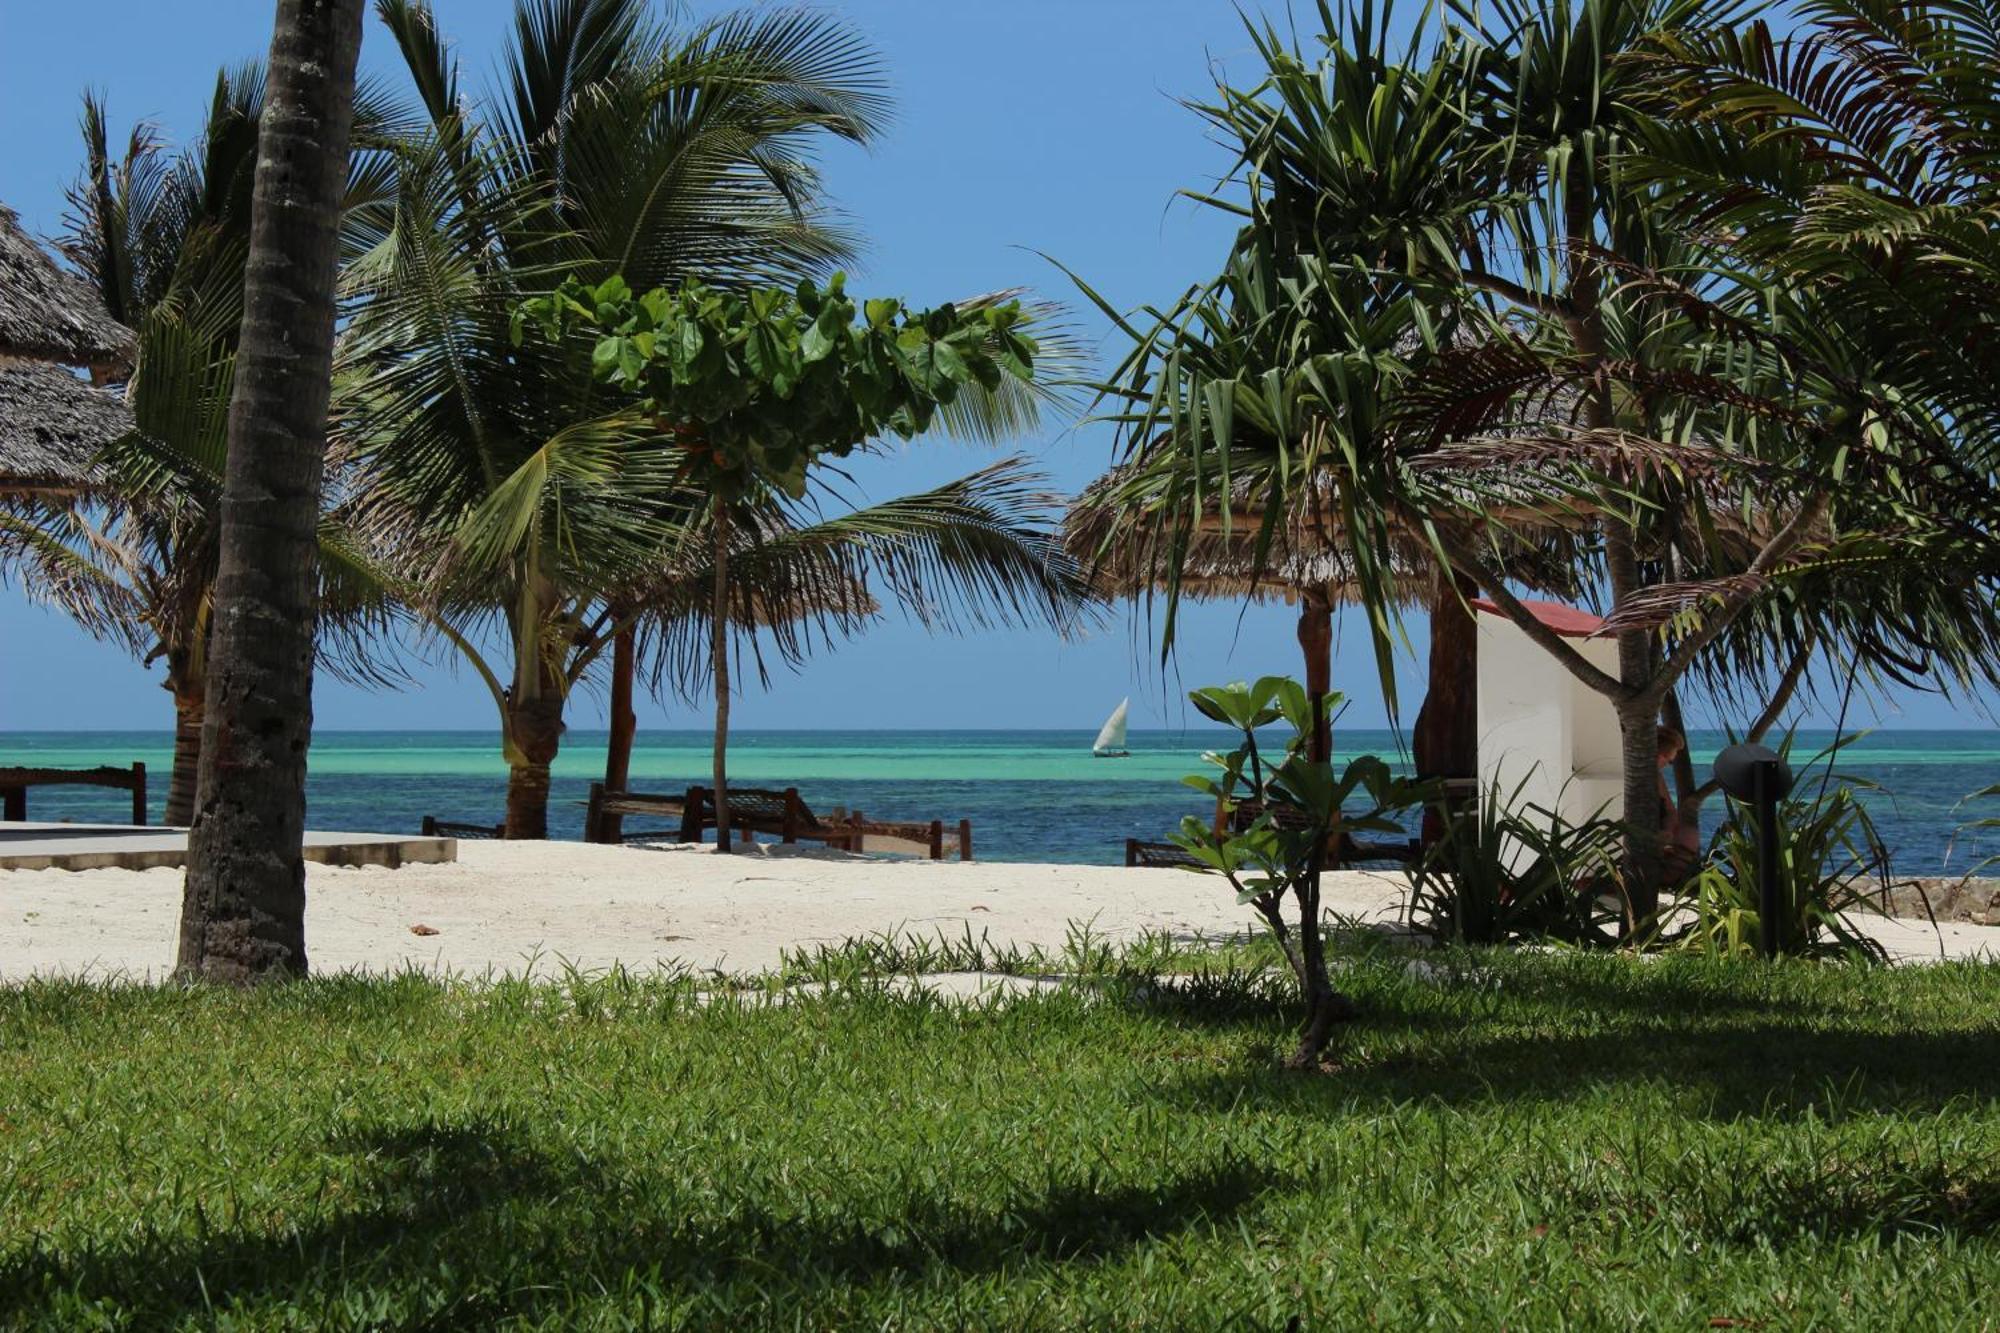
(243, 907)
(162, 237)
(512, 496)
(1853, 160)
(527, 508)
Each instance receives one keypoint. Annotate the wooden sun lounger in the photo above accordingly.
(1159, 855)
(754, 810)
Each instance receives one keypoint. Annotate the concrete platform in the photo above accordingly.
(32, 846)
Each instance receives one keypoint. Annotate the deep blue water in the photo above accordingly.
(1031, 795)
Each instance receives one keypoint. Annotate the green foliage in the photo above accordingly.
(162, 237)
(1539, 1141)
(1299, 804)
(765, 383)
(1297, 817)
(1976, 826)
(1831, 863)
(1512, 872)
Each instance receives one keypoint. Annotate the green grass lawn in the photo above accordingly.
(1528, 1141)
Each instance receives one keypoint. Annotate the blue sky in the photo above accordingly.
(1029, 126)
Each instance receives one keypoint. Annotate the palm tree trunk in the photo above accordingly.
(1639, 753)
(534, 736)
(1316, 643)
(624, 725)
(1445, 741)
(243, 907)
(188, 709)
(719, 660)
(1638, 724)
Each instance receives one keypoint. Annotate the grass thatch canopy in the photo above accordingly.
(47, 314)
(1117, 532)
(52, 427)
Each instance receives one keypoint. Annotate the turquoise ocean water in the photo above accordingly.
(1031, 795)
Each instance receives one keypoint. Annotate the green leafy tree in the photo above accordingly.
(762, 388)
(1456, 307)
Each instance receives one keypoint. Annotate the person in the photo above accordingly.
(1680, 840)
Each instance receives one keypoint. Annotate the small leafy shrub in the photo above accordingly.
(1300, 810)
(1510, 871)
(1831, 862)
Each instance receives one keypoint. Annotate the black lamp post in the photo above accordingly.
(1757, 776)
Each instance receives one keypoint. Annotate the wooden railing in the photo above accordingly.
(14, 784)
(433, 827)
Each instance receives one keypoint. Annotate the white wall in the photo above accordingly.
(1544, 731)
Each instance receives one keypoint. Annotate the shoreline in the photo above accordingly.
(540, 909)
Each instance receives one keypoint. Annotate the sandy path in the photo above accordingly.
(505, 904)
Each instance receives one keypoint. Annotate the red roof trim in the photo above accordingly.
(1572, 622)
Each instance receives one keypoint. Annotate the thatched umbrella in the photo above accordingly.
(52, 427)
(52, 424)
(1127, 545)
(47, 314)
(1126, 542)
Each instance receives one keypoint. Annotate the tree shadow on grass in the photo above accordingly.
(1766, 1069)
(466, 1223)
(1478, 1026)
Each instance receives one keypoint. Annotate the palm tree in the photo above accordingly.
(1849, 161)
(974, 552)
(243, 909)
(512, 496)
(163, 238)
(525, 507)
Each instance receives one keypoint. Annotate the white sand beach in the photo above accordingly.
(512, 907)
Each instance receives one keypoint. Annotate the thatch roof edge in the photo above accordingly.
(49, 314)
(52, 428)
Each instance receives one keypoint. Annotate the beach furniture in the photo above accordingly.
(1346, 851)
(433, 827)
(14, 784)
(779, 813)
(1159, 855)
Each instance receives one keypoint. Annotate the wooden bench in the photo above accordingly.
(14, 784)
(782, 814)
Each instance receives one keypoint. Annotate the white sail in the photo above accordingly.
(1111, 739)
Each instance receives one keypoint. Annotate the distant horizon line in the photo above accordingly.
(887, 731)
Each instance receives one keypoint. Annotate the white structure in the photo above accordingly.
(1542, 730)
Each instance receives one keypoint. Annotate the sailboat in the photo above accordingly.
(1111, 738)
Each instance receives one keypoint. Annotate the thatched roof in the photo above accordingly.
(47, 314)
(1127, 554)
(1127, 545)
(52, 426)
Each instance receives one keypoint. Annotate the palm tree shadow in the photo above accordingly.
(474, 1198)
